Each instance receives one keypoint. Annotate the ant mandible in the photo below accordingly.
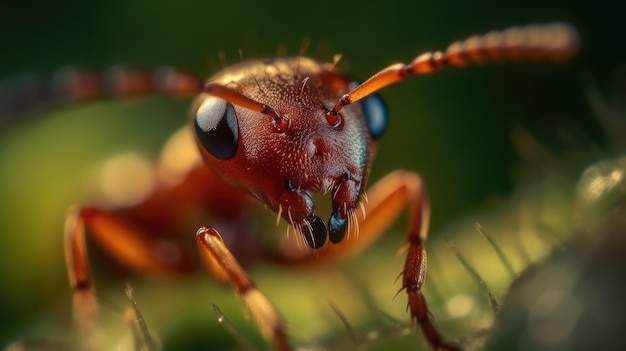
(281, 129)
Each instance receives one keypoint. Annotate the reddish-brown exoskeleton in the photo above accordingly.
(279, 130)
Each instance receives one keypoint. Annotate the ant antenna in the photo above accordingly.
(280, 123)
(548, 42)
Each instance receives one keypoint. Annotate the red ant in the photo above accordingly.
(281, 129)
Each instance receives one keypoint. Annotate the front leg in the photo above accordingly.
(222, 264)
(385, 201)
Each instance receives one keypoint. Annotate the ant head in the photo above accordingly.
(271, 128)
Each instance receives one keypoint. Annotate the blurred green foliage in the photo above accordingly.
(453, 128)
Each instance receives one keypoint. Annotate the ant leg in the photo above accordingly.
(222, 264)
(128, 243)
(385, 201)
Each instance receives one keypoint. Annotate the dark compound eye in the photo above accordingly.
(217, 128)
(375, 115)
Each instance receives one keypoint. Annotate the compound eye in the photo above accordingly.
(217, 127)
(375, 115)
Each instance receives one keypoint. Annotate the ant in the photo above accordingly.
(278, 130)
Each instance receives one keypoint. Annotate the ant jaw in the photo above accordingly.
(337, 227)
(297, 207)
(345, 199)
(315, 232)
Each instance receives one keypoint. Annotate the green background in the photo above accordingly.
(454, 127)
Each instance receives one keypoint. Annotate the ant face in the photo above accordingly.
(308, 152)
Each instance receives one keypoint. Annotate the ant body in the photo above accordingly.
(279, 130)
